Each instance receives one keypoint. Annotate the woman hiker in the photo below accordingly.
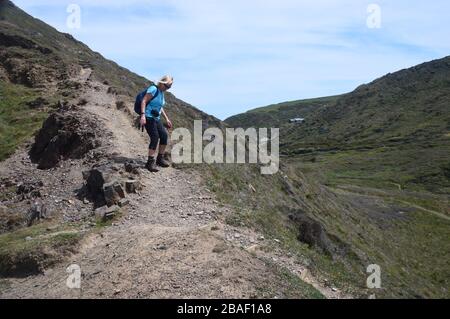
(151, 110)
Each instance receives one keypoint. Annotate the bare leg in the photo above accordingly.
(151, 152)
(162, 149)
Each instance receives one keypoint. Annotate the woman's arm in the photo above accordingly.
(169, 123)
(148, 97)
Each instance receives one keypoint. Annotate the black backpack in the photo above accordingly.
(140, 97)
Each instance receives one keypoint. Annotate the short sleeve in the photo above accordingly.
(152, 90)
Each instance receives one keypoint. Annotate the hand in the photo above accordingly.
(143, 120)
(169, 123)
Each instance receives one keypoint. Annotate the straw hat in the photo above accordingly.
(167, 79)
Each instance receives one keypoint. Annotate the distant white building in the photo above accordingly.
(297, 120)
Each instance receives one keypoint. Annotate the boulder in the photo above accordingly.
(25, 188)
(105, 186)
(37, 211)
(311, 232)
(112, 90)
(132, 167)
(120, 105)
(29, 189)
(131, 186)
(40, 102)
(95, 179)
(98, 176)
(124, 202)
(113, 193)
(104, 213)
(63, 135)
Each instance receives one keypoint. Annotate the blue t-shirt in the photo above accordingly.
(155, 104)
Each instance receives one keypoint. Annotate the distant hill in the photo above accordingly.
(279, 114)
(407, 104)
(403, 117)
(411, 105)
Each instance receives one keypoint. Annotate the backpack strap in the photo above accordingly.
(157, 92)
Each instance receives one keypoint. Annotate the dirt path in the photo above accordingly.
(384, 194)
(171, 242)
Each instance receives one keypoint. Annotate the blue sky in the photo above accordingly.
(229, 56)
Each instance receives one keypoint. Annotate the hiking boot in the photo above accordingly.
(151, 166)
(168, 157)
(161, 161)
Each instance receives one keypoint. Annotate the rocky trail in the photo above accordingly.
(170, 241)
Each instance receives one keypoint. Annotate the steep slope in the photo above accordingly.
(36, 55)
(169, 241)
(167, 238)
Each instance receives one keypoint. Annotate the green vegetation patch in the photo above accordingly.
(29, 250)
(287, 285)
(18, 122)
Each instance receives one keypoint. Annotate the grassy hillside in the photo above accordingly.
(395, 130)
(391, 229)
(373, 167)
(278, 115)
(18, 121)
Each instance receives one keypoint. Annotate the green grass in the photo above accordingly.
(393, 131)
(288, 286)
(412, 168)
(17, 121)
(99, 223)
(416, 257)
(16, 241)
(265, 211)
(410, 249)
(29, 250)
(4, 284)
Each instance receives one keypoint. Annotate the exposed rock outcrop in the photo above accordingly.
(107, 188)
(37, 211)
(313, 233)
(63, 135)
